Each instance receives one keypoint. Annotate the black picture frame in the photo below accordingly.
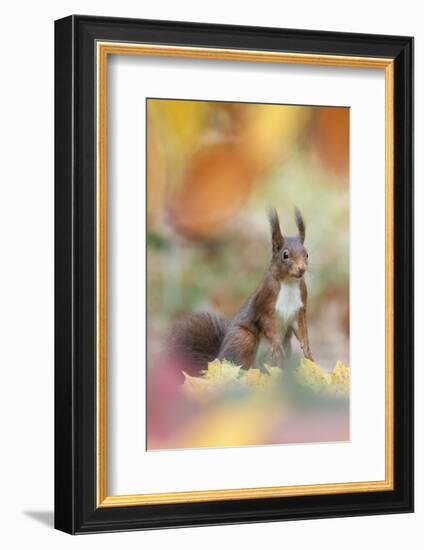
(76, 510)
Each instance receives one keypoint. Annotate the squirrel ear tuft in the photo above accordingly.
(300, 224)
(277, 236)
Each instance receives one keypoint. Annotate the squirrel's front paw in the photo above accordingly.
(307, 353)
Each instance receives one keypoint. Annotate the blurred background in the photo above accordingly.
(213, 169)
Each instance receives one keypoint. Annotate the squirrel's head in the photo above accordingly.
(289, 256)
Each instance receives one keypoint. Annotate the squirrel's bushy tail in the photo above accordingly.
(197, 339)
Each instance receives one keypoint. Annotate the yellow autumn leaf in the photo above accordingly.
(340, 378)
(222, 370)
(254, 378)
(224, 375)
(309, 374)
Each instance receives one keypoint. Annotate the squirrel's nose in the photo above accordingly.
(301, 269)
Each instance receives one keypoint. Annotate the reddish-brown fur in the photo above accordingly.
(239, 339)
(257, 317)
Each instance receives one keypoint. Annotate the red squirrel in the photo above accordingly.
(274, 311)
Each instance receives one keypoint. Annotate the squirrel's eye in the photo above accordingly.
(286, 254)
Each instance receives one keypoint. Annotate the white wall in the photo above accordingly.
(26, 270)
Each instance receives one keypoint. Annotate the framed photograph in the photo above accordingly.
(234, 274)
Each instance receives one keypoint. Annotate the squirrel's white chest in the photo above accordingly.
(289, 300)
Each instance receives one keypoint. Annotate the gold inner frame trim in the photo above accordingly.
(103, 50)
